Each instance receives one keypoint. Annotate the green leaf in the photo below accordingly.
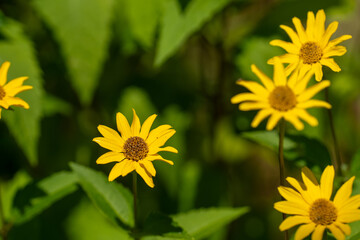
(204, 222)
(143, 17)
(269, 139)
(54, 105)
(36, 197)
(111, 198)
(82, 28)
(177, 27)
(85, 222)
(24, 124)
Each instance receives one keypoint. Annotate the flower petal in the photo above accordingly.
(110, 133)
(303, 114)
(145, 175)
(334, 51)
(279, 73)
(338, 234)
(328, 33)
(319, 25)
(145, 128)
(292, 34)
(254, 87)
(318, 232)
(345, 228)
(317, 68)
(313, 103)
(135, 126)
(167, 149)
(326, 182)
(248, 106)
(110, 157)
(292, 196)
(116, 171)
(3, 72)
(123, 126)
(311, 91)
(12, 92)
(300, 30)
(148, 166)
(158, 157)
(273, 120)
(292, 221)
(348, 217)
(310, 26)
(294, 120)
(242, 97)
(261, 115)
(291, 208)
(128, 167)
(108, 144)
(304, 231)
(264, 79)
(329, 62)
(336, 41)
(343, 194)
(287, 46)
(17, 102)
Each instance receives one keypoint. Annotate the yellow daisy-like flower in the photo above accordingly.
(281, 98)
(311, 48)
(314, 210)
(136, 148)
(9, 90)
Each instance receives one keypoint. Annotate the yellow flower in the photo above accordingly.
(9, 90)
(281, 98)
(312, 207)
(136, 148)
(311, 48)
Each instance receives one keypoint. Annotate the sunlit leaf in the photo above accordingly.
(177, 27)
(204, 222)
(85, 222)
(24, 124)
(143, 17)
(82, 28)
(111, 198)
(36, 197)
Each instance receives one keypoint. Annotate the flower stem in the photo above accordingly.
(338, 162)
(3, 230)
(135, 204)
(281, 161)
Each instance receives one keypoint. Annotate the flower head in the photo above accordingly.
(281, 98)
(135, 148)
(313, 209)
(311, 48)
(10, 89)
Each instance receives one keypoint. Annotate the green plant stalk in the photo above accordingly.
(338, 162)
(281, 162)
(3, 231)
(135, 204)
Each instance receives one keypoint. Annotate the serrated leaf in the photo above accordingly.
(82, 28)
(111, 198)
(24, 124)
(36, 197)
(143, 17)
(177, 27)
(204, 222)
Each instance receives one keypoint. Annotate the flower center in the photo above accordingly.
(323, 212)
(310, 53)
(135, 148)
(282, 98)
(2, 93)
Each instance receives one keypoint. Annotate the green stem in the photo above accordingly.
(338, 162)
(135, 204)
(3, 230)
(281, 162)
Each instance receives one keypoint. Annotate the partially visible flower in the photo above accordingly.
(280, 98)
(311, 48)
(313, 209)
(136, 148)
(9, 90)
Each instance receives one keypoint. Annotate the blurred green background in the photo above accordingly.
(88, 59)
